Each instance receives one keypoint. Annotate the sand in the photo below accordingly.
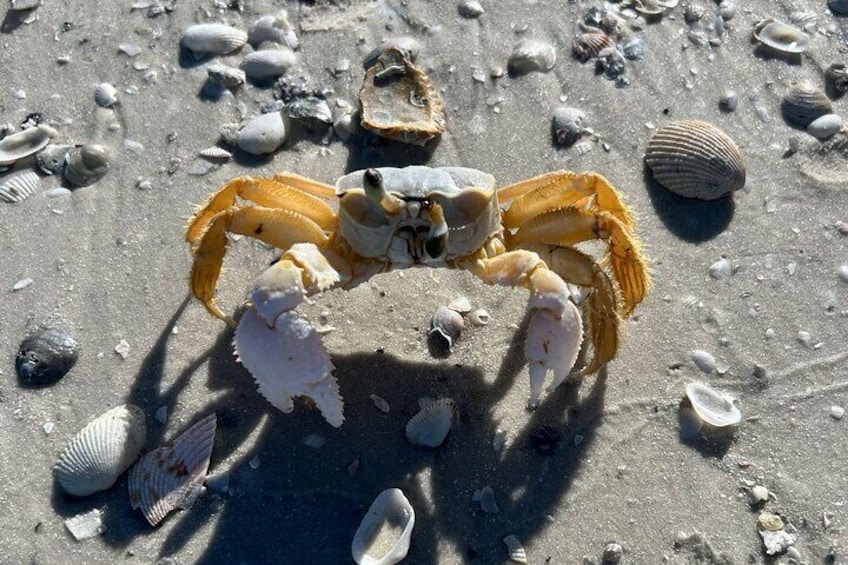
(109, 263)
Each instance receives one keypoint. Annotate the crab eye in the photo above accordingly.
(372, 182)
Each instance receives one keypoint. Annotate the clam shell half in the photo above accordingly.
(218, 39)
(24, 143)
(430, 426)
(712, 407)
(803, 103)
(383, 536)
(781, 37)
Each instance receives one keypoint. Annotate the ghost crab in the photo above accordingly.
(376, 220)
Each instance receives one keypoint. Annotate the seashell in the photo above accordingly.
(106, 95)
(653, 7)
(446, 326)
(430, 426)
(408, 46)
(87, 164)
(827, 162)
(694, 12)
(460, 304)
(486, 497)
(515, 549)
(567, 125)
(470, 9)
(25, 4)
(51, 159)
(268, 63)
(839, 7)
(216, 153)
(479, 317)
(19, 186)
(695, 159)
(713, 408)
(803, 103)
(263, 134)
(311, 108)
(836, 79)
(217, 39)
(825, 126)
(171, 477)
(531, 55)
(45, 356)
(803, 19)
(587, 45)
(86, 525)
(633, 48)
(274, 28)
(729, 101)
(23, 144)
(383, 536)
(105, 448)
(703, 360)
(399, 101)
(228, 77)
(727, 10)
(781, 37)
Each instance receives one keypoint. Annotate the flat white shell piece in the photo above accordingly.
(430, 426)
(86, 525)
(712, 407)
(383, 535)
(101, 451)
(21, 145)
(172, 477)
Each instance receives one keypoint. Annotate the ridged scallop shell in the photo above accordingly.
(87, 164)
(781, 37)
(587, 45)
(172, 477)
(803, 103)
(24, 143)
(106, 95)
(218, 39)
(268, 63)
(712, 407)
(695, 159)
(515, 549)
(430, 426)
(105, 448)
(19, 186)
(383, 536)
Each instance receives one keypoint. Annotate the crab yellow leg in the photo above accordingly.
(562, 189)
(280, 228)
(306, 185)
(569, 226)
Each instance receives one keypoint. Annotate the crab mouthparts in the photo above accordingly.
(423, 234)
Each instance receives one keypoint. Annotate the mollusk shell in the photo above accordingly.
(263, 134)
(695, 159)
(218, 39)
(51, 159)
(532, 55)
(388, 525)
(106, 95)
(225, 76)
(713, 408)
(24, 143)
(825, 126)
(409, 46)
(172, 477)
(447, 324)
(587, 45)
(275, 28)
(268, 63)
(781, 37)
(105, 448)
(515, 549)
(836, 78)
(430, 426)
(45, 356)
(87, 164)
(19, 186)
(803, 103)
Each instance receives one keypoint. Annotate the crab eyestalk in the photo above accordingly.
(372, 182)
(436, 244)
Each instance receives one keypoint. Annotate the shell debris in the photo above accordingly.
(106, 95)
(18, 146)
(515, 549)
(86, 525)
(383, 536)
(19, 186)
(781, 38)
(213, 38)
(713, 408)
(803, 103)
(446, 326)
(532, 55)
(87, 164)
(486, 497)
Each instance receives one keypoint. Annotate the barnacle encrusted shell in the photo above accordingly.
(217, 39)
(383, 536)
(781, 37)
(171, 477)
(87, 164)
(24, 143)
(712, 407)
(803, 103)
(695, 159)
(105, 448)
(430, 426)
(19, 186)
(399, 101)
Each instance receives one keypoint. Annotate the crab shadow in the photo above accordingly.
(370, 150)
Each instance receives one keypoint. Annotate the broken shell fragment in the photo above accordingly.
(515, 549)
(781, 37)
(531, 55)
(586, 46)
(228, 77)
(19, 186)
(383, 536)
(777, 536)
(309, 108)
(803, 103)
(408, 46)
(479, 317)
(567, 125)
(695, 159)
(430, 426)
(23, 144)
(171, 477)
(106, 95)
(45, 356)
(86, 525)
(460, 304)
(713, 408)
(446, 325)
(263, 134)
(216, 39)
(51, 159)
(87, 164)
(274, 28)
(105, 448)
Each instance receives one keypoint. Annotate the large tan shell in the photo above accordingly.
(803, 103)
(695, 159)
(399, 101)
(171, 477)
(105, 448)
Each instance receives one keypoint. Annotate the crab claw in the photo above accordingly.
(553, 342)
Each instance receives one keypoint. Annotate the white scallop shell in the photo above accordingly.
(430, 426)
(101, 451)
(515, 549)
(383, 536)
(781, 37)
(172, 477)
(19, 186)
(87, 164)
(106, 95)
(218, 39)
(263, 134)
(268, 63)
(712, 407)
(275, 28)
(24, 143)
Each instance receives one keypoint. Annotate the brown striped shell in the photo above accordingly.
(586, 46)
(695, 159)
(803, 103)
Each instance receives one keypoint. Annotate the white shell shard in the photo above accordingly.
(263, 134)
(479, 317)
(24, 144)
(217, 39)
(274, 28)
(86, 525)
(703, 360)
(515, 549)
(289, 360)
(172, 477)
(105, 448)
(486, 497)
(268, 63)
(712, 407)
(24, 4)
(430, 426)
(552, 344)
(228, 77)
(19, 186)
(383, 536)
(106, 95)
(461, 304)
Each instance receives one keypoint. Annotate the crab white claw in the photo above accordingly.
(280, 348)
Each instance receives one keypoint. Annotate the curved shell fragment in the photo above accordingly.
(431, 425)
(23, 144)
(515, 549)
(87, 164)
(712, 407)
(781, 37)
(383, 536)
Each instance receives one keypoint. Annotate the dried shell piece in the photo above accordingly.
(105, 448)
(172, 477)
(399, 101)
(515, 549)
(781, 37)
(531, 55)
(23, 144)
(268, 63)
(486, 497)
(803, 103)
(587, 45)
(712, 407)
(106, 95)
(51, 159)
(479, 317)
(87, 164)
(695, 159)
(274, 28)
(217, 39)
(383, 536)
(460, 304)
(410, 47)
(567, 125)
(310, 108)
(216, 153)
(228, 77)
(263, 134)
(19, 186)
(45, 356)
(430, 426)
(446, 325)
(836, 79)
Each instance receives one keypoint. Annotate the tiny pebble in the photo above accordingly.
(805, 338)
(721, 269)
(22, 284)
(123, 348)
(703, 360)
(380, 403)
(612, 553)
(837, 412)
(48, 427)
